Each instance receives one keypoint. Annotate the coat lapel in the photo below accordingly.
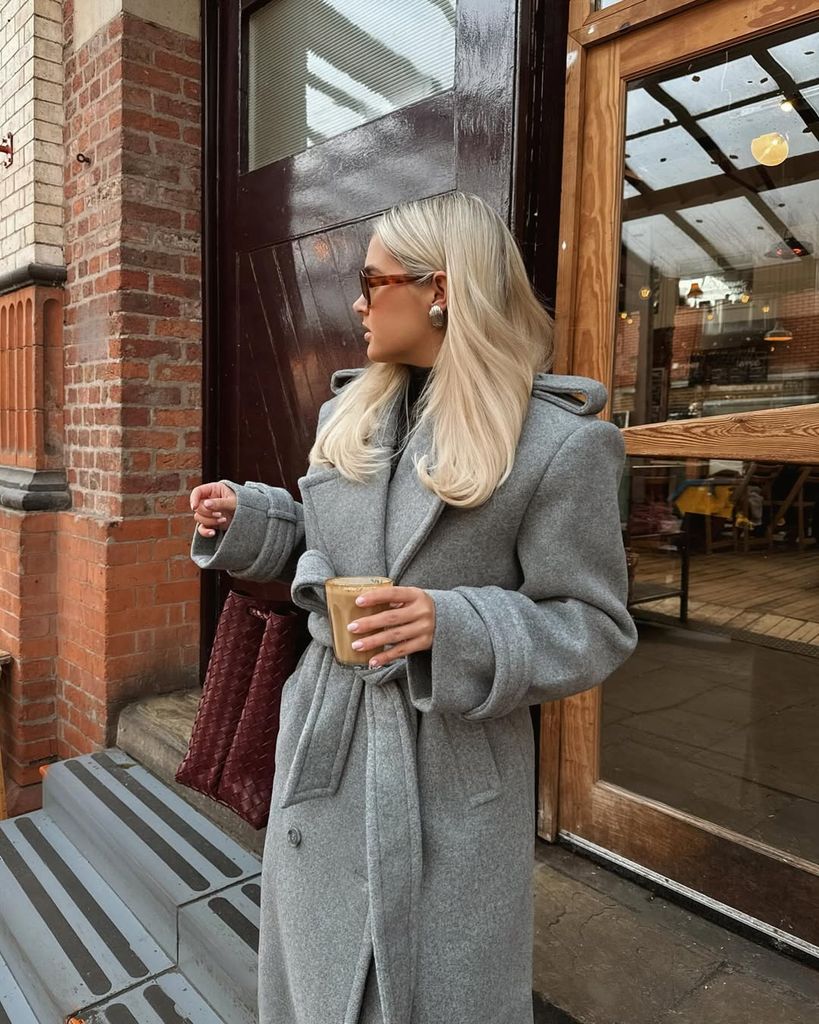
(412, 509)
(375, 528)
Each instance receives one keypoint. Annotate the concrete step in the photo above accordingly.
(66, 938)
(14, 1007)
(230, 923)
(155, 731)
(150, 846)
(168, 999)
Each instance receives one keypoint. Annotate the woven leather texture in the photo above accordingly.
(231, 756)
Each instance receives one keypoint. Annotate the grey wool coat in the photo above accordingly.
(398, 860)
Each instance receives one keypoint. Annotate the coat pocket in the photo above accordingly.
(473, 759)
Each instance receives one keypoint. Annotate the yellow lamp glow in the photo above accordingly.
(645, 291)
(770, 149)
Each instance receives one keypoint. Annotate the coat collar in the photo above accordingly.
(351, 521)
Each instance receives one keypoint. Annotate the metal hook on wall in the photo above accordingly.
(7, 147)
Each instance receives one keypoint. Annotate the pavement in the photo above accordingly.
(608, 951)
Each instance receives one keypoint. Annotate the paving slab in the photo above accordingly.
(734, 997)
(611, 951)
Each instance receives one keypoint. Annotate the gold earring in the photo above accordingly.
(437, 316)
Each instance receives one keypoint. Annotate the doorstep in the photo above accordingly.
(155, 731)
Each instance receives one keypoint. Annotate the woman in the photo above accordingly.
(398, 860)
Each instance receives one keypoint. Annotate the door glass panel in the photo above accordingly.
(718, 309)
(317, 68)
(717, 711)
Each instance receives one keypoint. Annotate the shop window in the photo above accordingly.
(718, 310)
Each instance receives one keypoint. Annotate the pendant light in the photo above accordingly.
(778, 333)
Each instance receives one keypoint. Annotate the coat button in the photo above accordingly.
(293, 836)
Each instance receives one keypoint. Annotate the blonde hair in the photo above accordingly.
(497, 337)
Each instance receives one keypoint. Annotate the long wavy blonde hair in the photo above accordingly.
(497, 337)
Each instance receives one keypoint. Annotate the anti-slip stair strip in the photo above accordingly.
(253, 891)
(140, 827)
(229, 921)
(169, 999)
(99, 920)
(185, 830)
(238, 923)
(77, 953)
(66, 937)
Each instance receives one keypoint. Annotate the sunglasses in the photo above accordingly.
(369, 281)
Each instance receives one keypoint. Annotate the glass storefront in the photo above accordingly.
(718, 306)
(717, 712)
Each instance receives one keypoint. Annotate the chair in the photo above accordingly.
(798, 499)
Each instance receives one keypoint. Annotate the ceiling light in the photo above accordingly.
(770, 149)
(786, 104)
(788, 248)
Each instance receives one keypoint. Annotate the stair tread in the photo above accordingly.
(56, 910)
(150, 845)
(228, 920)
(14, 1008)
(107, 890)
(168, 998)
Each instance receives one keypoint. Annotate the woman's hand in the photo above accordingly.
(408, 624)
(213, 506)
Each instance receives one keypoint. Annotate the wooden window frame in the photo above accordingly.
(573, 800)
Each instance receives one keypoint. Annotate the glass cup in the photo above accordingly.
(341, 593)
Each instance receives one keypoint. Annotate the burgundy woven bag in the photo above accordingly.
(231, 756)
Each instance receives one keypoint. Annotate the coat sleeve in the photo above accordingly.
(263, 539)
(566, 628)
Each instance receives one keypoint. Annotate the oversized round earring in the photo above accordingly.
(437, 317)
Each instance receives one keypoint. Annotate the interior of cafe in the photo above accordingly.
(717, 714)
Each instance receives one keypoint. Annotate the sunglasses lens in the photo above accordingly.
(365, 287)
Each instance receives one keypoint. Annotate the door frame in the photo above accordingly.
(757, 880)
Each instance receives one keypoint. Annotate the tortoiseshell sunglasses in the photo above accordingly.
(375, 280)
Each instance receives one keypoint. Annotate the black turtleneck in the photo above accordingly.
(416, 379)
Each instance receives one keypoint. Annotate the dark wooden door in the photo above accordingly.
(284, 241)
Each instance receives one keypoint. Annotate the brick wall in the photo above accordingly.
(128, 614)
(99, 604)
(31, 202)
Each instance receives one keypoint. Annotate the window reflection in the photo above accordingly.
(718, 286)
(317, 68)
(717, 711)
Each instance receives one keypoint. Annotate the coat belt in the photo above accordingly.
(392, 812)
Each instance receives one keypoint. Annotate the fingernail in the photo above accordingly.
(353, 627)
(359, 600)
(373, 664)
(357, 645)
(208, 504)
